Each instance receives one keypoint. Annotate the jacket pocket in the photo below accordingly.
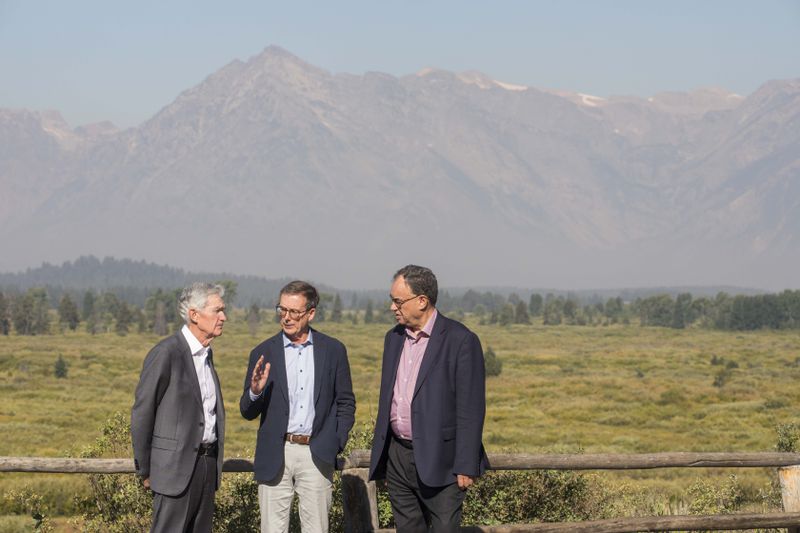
(164, 443)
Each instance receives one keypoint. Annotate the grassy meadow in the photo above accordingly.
(622, 389)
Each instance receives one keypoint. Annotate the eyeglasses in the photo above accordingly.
(398, 302)
(294, 314)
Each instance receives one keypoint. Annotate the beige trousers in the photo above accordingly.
(311, 479)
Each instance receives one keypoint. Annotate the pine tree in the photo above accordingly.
(535, 304)
(5, 321)
(336, 314)
(369, 313)
(521, 313)
(506, 317)
(68, 313)
(41, 308)
(123, 317)
(253, 319)
(60, 367)
(87, 309)
(492, 364)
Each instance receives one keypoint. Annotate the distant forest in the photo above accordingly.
(123, 295)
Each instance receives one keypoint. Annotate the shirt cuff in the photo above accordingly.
(254, 397)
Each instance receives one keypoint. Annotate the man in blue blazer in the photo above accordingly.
(298, 382)
(431, 408)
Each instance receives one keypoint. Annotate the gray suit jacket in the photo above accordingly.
(167, 417)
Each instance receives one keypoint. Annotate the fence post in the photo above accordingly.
(789, 477)
(360, 501)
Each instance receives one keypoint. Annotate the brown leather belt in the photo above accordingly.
(297, 439)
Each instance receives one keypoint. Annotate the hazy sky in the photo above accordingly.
(123, 61)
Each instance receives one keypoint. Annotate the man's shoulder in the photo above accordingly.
(169, 344)
(263, 345)
(397, 329)
(327, 340)
(454, 326)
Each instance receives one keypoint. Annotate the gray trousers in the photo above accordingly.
(418, 508)
(192, 511)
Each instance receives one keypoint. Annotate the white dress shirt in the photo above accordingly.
(208, 391)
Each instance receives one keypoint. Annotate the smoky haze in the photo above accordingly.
(278, 168)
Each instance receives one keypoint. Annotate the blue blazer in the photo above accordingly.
(334, 403)
(447, 409)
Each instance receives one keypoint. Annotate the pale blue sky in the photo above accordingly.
(101, 59)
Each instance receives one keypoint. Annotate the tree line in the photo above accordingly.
(29, 312)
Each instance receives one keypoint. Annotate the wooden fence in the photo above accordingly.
(360, 495)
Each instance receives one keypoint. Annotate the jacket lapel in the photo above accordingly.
(395, 350)
(278, 366)
(319, 348)
(218, 390)
(432, 351)
(188, 368)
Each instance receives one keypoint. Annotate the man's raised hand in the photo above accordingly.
(259, 378)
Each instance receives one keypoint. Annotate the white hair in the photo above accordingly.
(196, 296)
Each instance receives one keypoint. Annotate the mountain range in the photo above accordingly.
(278, 168)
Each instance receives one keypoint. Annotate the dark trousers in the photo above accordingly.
(417, 507)
(193, 509)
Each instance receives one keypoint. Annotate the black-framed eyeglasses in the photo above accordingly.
(399, 303)
(294, 314)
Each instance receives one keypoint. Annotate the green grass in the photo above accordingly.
(620, 389)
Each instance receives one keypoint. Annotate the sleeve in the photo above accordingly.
(470, 406)
(153, 383)
(344, 398)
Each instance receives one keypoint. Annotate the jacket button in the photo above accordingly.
(201, 423)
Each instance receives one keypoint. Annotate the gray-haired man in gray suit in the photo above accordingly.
(178, 420)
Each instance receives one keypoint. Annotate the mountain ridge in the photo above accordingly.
(350, 165)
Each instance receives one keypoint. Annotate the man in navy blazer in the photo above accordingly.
(298, 382)
(431, 408)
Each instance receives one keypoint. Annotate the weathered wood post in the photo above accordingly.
(359, 496)
(790, 491)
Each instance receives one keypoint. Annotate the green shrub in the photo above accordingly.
(788, 436)
(28, 502)
(536, 496)
(708, 498)
(493, 365)
(60, 367)
(118, 502)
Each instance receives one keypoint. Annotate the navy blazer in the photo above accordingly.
(447, 409)
(334, 403)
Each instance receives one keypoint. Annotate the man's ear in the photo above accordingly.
(312, 313)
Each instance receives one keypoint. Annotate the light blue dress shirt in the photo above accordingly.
(300, 379)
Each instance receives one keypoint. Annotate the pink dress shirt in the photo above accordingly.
(407, 372)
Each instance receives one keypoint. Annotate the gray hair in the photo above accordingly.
(196, 296)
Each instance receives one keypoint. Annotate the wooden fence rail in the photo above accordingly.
(360, 495)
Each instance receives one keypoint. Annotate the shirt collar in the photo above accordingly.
(427, 329)
(309, 340)
(195, 346)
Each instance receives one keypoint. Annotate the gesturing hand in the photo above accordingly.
(259, 378)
